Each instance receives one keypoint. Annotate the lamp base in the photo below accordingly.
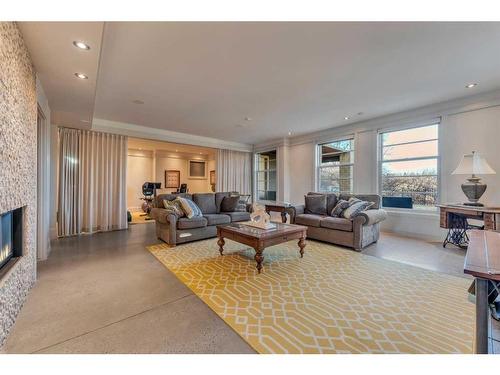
(473, 190)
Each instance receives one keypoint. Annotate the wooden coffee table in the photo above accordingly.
(259, 239)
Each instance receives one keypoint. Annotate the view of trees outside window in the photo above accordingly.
(335, 166)
(410, 165)
(266, 175)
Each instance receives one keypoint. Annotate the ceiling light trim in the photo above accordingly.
(139, 131)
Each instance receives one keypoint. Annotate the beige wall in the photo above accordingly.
(139, 170)
(18, 166)
(144, 166)
(194, 185)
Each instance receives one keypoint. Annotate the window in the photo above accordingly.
(265, 175)
(335, 166)
(409, 167)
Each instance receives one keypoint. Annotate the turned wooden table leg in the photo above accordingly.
(221, 244)
(259, 258)
(302, 245)
(283, 216)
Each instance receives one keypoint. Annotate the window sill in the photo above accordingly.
(411, 212)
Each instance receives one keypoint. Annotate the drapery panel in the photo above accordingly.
(92, 182)
(234, 171)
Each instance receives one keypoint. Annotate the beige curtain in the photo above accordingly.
(92, 182)
(234, 171)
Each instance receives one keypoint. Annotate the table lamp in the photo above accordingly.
(473, 164)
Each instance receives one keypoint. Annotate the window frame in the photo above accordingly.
(380, 161)
(256, 172)
(318, 167)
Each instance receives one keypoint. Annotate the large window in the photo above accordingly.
(265, 175)
(409, 167)
(335, 166)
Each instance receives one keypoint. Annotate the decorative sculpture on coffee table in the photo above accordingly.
(259, 218)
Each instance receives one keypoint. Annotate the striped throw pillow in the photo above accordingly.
(173, 207)
(189, 207)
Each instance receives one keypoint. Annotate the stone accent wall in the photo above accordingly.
(18, 154)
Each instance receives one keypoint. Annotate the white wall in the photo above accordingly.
(466, 124)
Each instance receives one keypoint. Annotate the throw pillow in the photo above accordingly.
(173, 207)
(229, 204)
(315, 204)
(189, 207)
(339, 208)
(355, 208)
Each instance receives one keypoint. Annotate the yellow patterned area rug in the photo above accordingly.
(333, 300)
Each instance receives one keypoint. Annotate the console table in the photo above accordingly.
(454, 218)
(282, 207)
(483, 262)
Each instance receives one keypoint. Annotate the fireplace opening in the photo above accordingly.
(11, 237)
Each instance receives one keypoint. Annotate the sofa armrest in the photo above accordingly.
(164, 216)
(294, 211)
(373, 216)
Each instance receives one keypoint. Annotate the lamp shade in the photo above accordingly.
(473, 164)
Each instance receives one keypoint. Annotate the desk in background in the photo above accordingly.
(454, 218)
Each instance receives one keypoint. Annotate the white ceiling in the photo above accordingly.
(56, 61)
(205, 78)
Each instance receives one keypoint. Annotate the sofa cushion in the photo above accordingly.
(216, 219)
(218, 199)
(337, 223)
(158, 201)
(375, 198)
(195, 222)
(339, 208)
(309, 220)
(315, 204)
(238, 216)
(173, 207)
(331, 200)
(190, 208)
(206, 202)
(355, 208)
(229, 204)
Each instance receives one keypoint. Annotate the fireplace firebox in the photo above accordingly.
(11, 237)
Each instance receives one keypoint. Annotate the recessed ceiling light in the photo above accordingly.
(137, 101)
(346, 118)
(140, 149)
(471, 85)
(289, 133)
(248, 119)
(200, 153)
(81, 45)
(81, 76)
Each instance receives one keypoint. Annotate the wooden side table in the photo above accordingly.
(282, 207)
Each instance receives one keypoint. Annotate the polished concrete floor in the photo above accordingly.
(106, 293)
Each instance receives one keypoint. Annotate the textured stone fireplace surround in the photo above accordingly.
(18, 154)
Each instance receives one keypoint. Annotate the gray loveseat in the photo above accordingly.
(356, 233)
(175, 230)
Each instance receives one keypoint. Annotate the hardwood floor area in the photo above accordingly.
(106, 293)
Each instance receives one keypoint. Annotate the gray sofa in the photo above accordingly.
(357, 233)
(175, 230)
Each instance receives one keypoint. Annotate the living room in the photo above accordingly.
(308, 187)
